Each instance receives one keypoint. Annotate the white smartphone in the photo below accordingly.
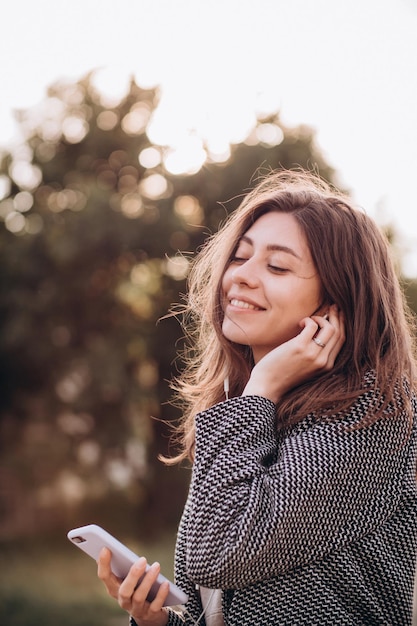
(92, 538)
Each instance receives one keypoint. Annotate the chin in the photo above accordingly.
(235, 335)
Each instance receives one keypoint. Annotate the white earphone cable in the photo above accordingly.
(226, 387)
(200, 617)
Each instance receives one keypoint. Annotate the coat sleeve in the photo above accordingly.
(261, 506)
(174, 619)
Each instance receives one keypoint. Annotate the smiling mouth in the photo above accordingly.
(241, 304)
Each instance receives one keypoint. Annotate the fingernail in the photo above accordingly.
(139, 565)
(155, 565)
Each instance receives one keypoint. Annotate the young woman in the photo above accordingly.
(300, 421)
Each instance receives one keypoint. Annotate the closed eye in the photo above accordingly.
(278, 270)
(238, 259)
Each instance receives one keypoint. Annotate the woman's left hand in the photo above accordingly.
(312, 351)
(132, 596)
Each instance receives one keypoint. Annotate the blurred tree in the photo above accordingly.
(410, 290)
(94, 222)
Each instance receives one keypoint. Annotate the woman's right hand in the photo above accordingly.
(300, 358)
(131, 596)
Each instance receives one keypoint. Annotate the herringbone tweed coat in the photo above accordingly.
(316, 525)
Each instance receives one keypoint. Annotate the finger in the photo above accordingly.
(146, 610)
(131, 582)
(329, 324)
(309, 326)
(324, 333)
(103, 564)
(160, 597)
(145, 586)
(336, 319)
(105, 574)
(334, 314)
(316, 335)
(341, 332)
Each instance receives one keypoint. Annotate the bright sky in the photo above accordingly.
(348, 68)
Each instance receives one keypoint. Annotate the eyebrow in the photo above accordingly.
(272, 246)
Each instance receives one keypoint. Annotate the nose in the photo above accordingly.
(246, 273)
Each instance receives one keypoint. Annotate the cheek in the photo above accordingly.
(311, 302)
(296, 299)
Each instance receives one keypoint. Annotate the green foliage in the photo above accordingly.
(89, 254)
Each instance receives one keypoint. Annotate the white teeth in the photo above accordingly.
(243, 305)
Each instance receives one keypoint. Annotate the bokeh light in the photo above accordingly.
(26, 175)
(131, 205)
(15, 222)
(33, 224)
(67, 198)
(5, 186)
(189, 209)
(74, 128)
(269, 134)
(46, 151)
(177, 267)
(135, 122)
(6, 207)
(187, 158)
(111, 84)
(23, 201)
(88, 452)
(155, 186)
(107, 120)
(150, 158)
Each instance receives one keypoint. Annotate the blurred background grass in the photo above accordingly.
(49, 583)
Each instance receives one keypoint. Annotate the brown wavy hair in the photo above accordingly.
(353, 260)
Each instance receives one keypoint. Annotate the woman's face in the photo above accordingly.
(270, 285)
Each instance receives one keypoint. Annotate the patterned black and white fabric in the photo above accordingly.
(314, 526)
